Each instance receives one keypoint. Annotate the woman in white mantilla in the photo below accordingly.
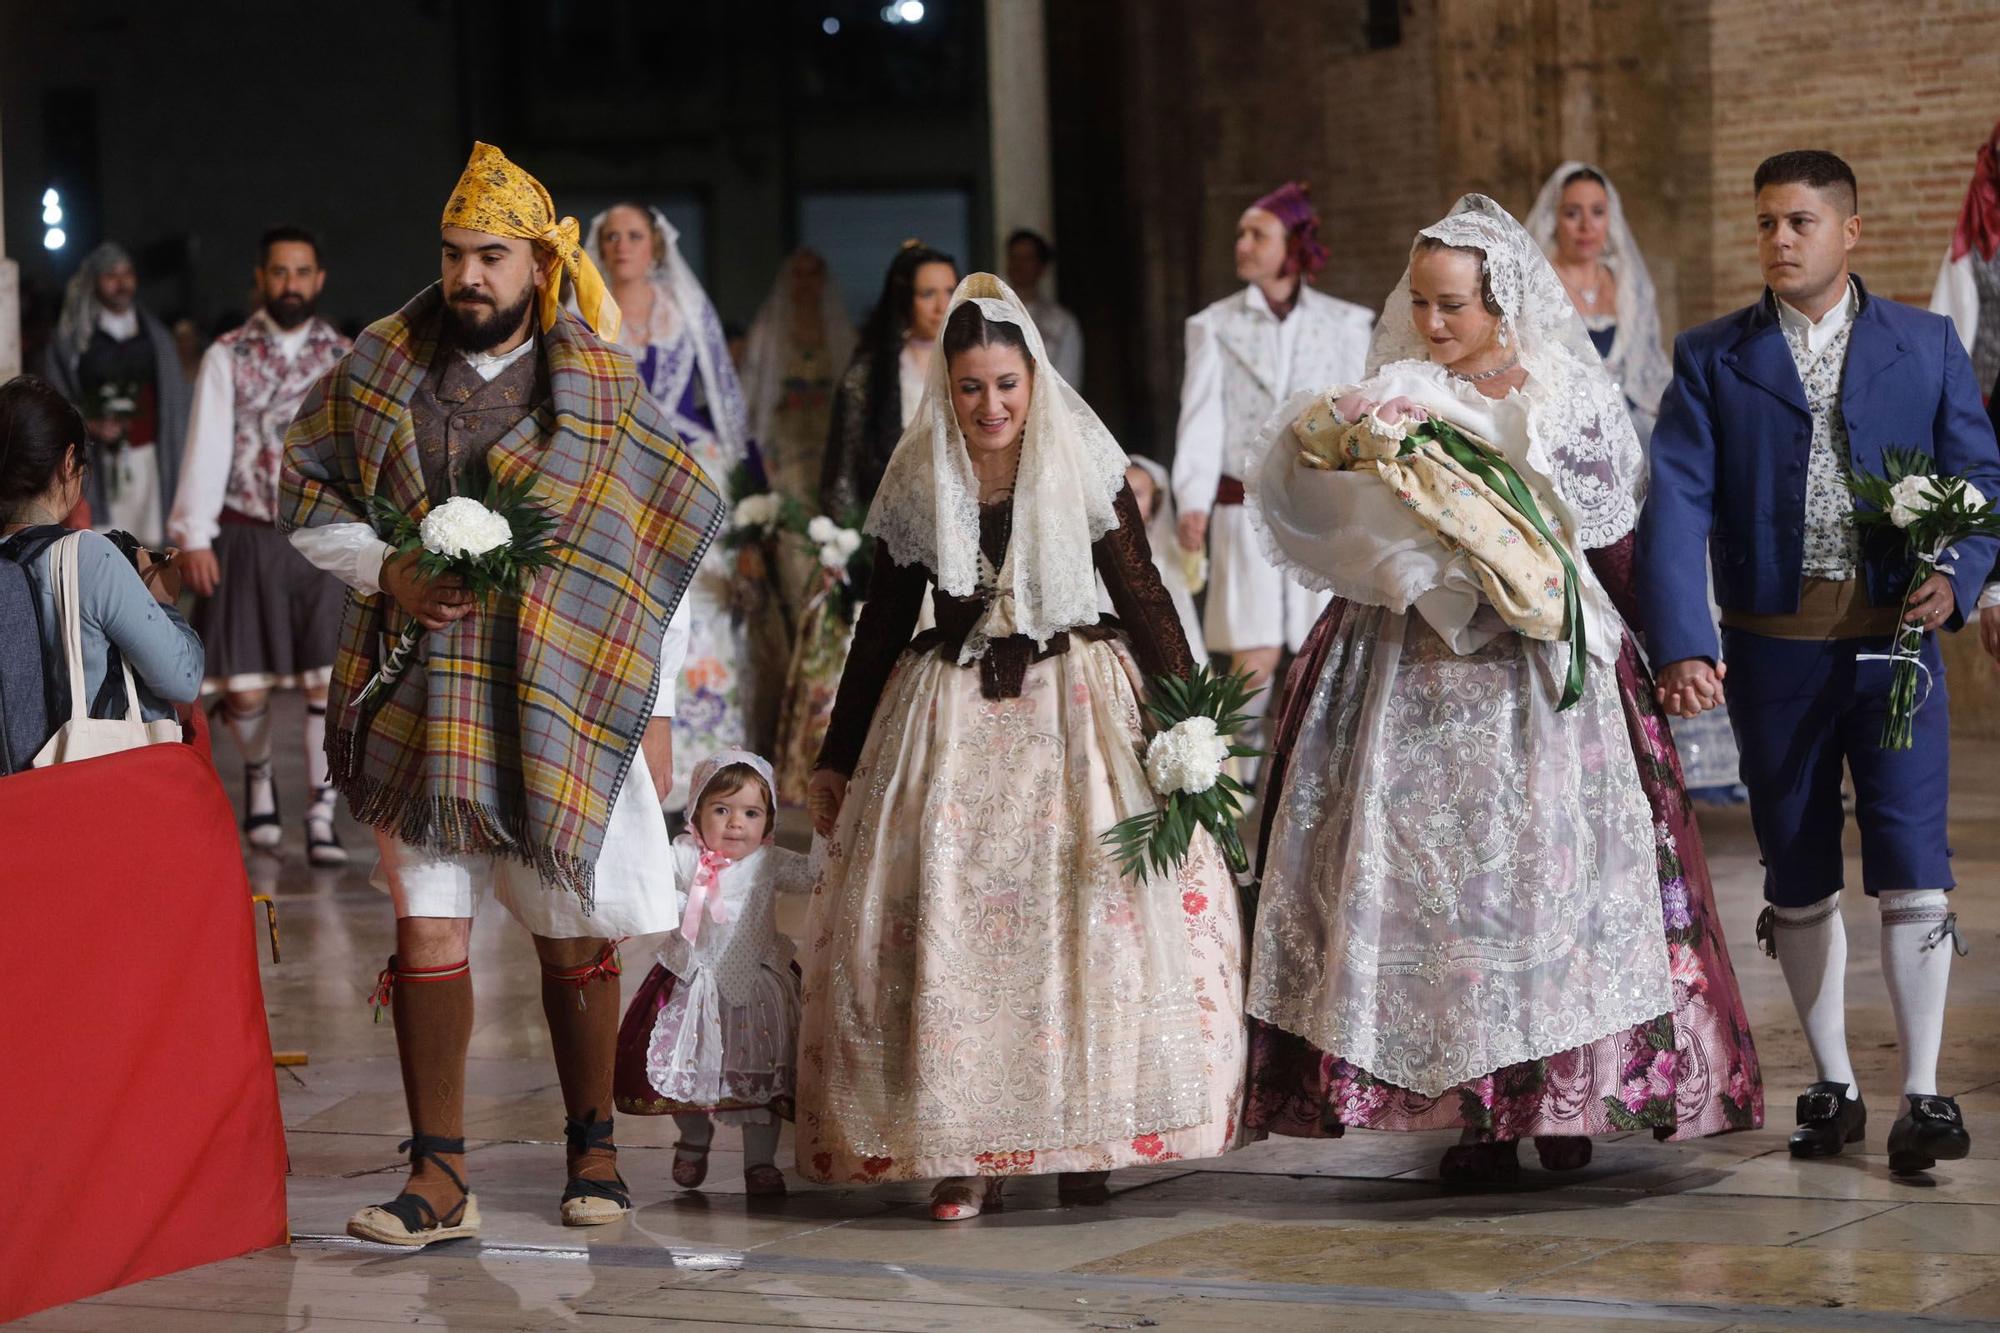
(799, 346)
(985, 994)
(735, 656)
(1580, 224)
(1485, 905)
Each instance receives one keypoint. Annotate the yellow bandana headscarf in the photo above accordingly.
(500, 199)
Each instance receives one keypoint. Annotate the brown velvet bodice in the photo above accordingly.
(459, 416)
(1124, 560)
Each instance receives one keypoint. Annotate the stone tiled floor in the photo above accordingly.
(1727, 1233)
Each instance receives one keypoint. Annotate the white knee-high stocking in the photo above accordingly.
(318, 777)
(1919, 933)
(1812, 953)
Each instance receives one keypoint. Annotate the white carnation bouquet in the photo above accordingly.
(492, 546)
(837, 545)
(758, 516)
(1933, 513)
(1186, 765)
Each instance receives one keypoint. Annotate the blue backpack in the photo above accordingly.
(27, 710)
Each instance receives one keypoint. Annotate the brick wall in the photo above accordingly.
(1905, 91)
(1678, 100)
(1276, 98)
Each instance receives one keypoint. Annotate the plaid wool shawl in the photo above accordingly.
(515, 730)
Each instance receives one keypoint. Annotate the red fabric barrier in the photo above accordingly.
(139, 1125)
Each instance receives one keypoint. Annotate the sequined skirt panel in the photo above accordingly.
(1458, 877)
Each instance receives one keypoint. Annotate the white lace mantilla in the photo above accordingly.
(1638, 361)
(1578, 427)
(1071, 470)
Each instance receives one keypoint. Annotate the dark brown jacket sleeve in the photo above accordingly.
(1125, 562)
(895, 600)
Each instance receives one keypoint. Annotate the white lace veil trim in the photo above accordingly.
(1638, 360)
(1071, 470)
(1579, 434)
(768, 354)
(672, 276)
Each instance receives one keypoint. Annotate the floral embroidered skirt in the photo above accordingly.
(1690, 1072)
(985, 994)
(819, 655)
(727, 692)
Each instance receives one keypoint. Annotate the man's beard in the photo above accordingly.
(479, 326)
(288, 312)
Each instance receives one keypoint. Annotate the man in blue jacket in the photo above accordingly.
(1767, 409)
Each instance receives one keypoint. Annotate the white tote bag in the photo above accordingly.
(84, 736)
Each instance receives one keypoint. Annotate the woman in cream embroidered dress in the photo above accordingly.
(985, 994)
(1580, 224)
(1480, 909)
(672, 331)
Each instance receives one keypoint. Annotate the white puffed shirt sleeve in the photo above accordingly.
(351, 552)
(211, 440)
(1198, 439)
(1989, 596)
(673, 654)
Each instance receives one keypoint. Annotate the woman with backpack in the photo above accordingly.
(124, 606)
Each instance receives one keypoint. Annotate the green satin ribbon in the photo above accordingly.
(1498, 474)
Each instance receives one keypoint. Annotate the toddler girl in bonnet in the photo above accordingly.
(712, 1031)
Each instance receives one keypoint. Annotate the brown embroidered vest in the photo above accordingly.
(459, 416)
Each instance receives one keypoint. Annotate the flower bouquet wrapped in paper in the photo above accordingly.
(1196, 719)
(1933, 513)
(492, 546)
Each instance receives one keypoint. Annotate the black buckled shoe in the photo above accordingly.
(1828, 1121)
(1930, 1130)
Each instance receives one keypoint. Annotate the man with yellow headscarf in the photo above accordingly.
(526, 753)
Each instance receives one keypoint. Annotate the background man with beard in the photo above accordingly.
(526, 757)
(268, 619)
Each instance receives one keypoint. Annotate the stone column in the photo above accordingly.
(10, 300)
(1017, 90)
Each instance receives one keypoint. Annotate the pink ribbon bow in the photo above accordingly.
(705, 892)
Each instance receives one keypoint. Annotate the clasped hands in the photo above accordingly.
(1690, 687)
